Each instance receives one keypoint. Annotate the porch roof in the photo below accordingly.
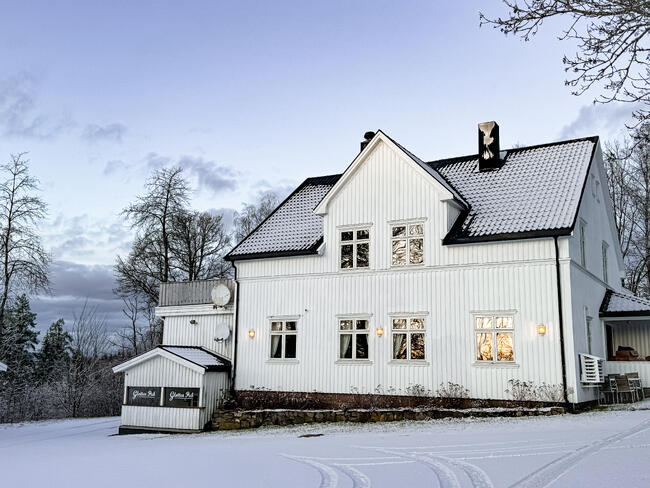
(196, 358)
(624, 305)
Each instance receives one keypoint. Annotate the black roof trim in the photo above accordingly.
(278, 254)
(512, 236)
(315, 180)
(605, 303)
(225, 367)
(627, 313)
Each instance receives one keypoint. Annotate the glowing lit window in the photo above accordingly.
(494, 337)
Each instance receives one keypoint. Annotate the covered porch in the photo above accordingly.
(626, 322)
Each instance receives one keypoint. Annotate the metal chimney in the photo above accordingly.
(367, 137)
(488, 146)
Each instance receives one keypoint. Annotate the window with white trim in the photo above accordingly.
(605, 247)
(588, 321)
(407, 244)
(494, 337)
(408, 335)
(284, 335)
(353, 338)
(583, 243)
(355, 248)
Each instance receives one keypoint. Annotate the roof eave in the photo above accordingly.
(450, 239)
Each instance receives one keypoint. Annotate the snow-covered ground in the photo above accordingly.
(594, 449)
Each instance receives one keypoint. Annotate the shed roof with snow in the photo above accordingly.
(624, 305)
(197, 358)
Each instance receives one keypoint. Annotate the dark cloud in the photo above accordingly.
(19, 114)
(210, 175)
(598, 119)
(74, 285)
(110, 132)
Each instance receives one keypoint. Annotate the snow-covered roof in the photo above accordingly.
(3, 366)
(535, 193)
(623, 304)
(197, 358)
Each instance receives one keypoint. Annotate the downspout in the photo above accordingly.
(561, 314)
(235, 335)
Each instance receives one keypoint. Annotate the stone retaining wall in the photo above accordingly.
(248, 419)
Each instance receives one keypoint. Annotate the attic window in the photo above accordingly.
(355, 248)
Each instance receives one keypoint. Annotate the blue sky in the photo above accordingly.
(251, 97)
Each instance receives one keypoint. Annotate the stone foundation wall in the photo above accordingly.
(247, 419)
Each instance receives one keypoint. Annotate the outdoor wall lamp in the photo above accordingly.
(251, 333)
(193, 322)
(379, 331)
(541, 329)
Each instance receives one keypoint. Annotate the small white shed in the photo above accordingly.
(172, 388)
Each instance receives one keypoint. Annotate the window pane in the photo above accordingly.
(505, 351)
(483, 322)
(416, 230)
(399, 252)
(345, 346)
(417, 346)
(362, 324)
(362, 346)
(399, 323)
(399, 231)
(363, 234)
(363, 255)
(290, 325)
(347, 236)
(346, 256)
(290, 346)
(417, 323)
(484, 347)
(276, 325)
(345, 325)
(504, 322)
(399, 346)
(276, 346)
(416, 251)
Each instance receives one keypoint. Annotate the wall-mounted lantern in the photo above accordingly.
(251, 333)
(193, 322)
(379, 331)
(541, 329)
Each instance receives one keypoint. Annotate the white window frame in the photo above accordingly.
(283, 333)
(604, 251)
(583, 243)
(409, 332)
(354, 332)
(589, 320)
(354, 243)
(494, 331)
(407, 238)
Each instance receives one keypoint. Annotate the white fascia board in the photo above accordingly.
(430, 174)
(131, 363)
(206, 309)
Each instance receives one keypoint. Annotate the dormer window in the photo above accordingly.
(355, 248)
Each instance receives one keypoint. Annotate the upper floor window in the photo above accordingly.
(355, 248)
(605, 247)
(494, 334)
(407, 244)
(583, 243)
(408, 338)
(353, 338)
(283, 339)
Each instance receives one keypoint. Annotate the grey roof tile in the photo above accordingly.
(624, 304)
(197, 355)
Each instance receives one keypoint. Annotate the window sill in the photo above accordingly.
(408, 362)
(282, 361)
(354, 362)
(494, 364)
(407, 266)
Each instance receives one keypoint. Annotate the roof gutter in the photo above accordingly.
(558, 276)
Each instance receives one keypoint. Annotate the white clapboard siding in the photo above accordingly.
(633, 334)
(178, 331)
(161, 417)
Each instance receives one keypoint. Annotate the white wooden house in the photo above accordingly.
(401, 276)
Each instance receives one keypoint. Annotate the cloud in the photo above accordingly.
(74, 285)
(115, 166)
(19, 115)
(110, 132)
(210, 175)
(598, 119)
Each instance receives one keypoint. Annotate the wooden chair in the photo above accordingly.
(608, 388)
(635, 385)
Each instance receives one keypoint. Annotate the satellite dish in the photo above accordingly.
(222, 332)
(220, 295)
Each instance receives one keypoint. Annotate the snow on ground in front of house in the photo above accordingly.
(606, 448)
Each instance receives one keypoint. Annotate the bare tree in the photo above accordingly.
(612, 38)
(24, 262)
(253, 214)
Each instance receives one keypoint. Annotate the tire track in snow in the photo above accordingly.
(359, 480)
(328, 476)
(477, 476)
(551, 472)
(445, 475)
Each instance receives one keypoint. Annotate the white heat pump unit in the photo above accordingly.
(591, 370)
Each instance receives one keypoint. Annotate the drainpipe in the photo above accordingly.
(235, 335)
(561, 314)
